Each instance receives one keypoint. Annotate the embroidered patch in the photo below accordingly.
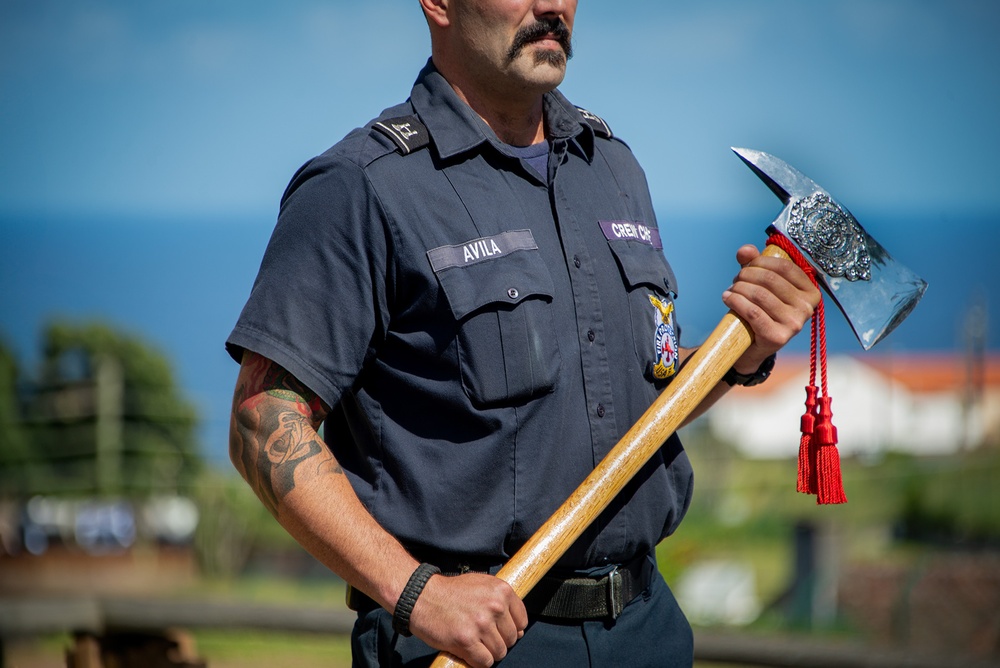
(665, 339)
(623, 229)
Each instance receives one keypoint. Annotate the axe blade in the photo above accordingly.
(874, 291)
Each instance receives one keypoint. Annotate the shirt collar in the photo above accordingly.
(455, 128)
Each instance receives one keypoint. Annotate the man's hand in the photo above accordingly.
(474, 617)
(775, 297)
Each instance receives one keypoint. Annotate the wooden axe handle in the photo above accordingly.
(701, 373)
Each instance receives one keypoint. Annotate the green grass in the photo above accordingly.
(746, 511)
(313, 592)
(742, 511)
(253, 648)
(230, 649)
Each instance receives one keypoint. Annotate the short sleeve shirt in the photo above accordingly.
(484, 333)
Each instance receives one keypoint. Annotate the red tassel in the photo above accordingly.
(807, 454)
(819, 460)
(831, 486)
(825, 432)
(830, 483)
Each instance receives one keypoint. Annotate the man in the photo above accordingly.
(470, 295)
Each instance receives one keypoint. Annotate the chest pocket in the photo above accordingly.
(652, 288)
(502, 307)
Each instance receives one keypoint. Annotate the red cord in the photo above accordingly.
(819, 459)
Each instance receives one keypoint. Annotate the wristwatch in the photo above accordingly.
(734, 377)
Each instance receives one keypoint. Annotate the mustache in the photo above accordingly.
(537, 30)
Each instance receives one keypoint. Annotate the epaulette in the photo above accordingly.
(600, 127)
(406, 132)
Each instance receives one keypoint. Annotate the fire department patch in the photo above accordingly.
(665, 339)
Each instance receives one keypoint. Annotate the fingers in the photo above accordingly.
(765, 316)
(774, 297)
(781, 283)
(475, 617)
(750, 260)
(494, 630)
(508, 627)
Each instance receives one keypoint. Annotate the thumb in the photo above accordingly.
(747, 254)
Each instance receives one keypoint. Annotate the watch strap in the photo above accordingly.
(734, 377)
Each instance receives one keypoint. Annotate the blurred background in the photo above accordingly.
(143, 151)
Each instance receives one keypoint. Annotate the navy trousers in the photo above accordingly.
(651, 632)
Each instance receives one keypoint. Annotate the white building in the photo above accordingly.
(919, 404)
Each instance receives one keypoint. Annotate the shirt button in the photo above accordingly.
(590, 335)
(600, 410)
(576, 261)
(512, 293)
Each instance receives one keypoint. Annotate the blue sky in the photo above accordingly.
(192, 107)
(144, 145)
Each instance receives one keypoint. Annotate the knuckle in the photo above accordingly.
(484, 660)
(479, 620)
(754, 313)
(756, 292)
(466, 639)
(485, 620)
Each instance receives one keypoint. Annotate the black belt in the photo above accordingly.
(581, 598)
(573, 598)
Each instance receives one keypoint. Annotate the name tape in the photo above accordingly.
(480, 250)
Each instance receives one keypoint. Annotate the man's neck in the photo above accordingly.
(516, 129)
(516, 120)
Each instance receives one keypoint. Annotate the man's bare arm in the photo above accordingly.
(275, 445)
(273, 417)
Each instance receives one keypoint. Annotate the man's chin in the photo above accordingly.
(546, 63)
(556, 59)
(540, 70)
(546, 77)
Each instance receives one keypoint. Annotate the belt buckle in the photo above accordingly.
(616, 602)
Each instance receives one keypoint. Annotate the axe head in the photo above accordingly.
(874, 292)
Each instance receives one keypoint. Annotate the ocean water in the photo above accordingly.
(180, 283)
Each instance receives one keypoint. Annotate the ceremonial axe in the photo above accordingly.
(872, 290)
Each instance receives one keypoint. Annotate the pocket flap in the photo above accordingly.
(642, 264)
(502, 270)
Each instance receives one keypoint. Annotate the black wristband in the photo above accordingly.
(407, 599)
(734, 377)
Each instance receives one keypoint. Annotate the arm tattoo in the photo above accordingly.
(274, 437)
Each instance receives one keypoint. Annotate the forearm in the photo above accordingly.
(324, 515)
(275, 446)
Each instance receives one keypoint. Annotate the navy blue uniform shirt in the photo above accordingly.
(484, 335)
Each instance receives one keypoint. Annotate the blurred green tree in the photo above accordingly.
(104, 418)
(17, 463)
